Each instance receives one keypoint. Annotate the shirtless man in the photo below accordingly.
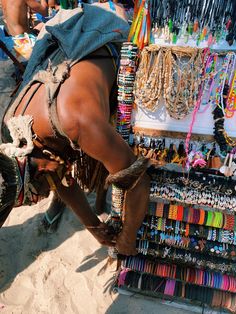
(16, 14)
(83, 107)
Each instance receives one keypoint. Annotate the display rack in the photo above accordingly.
(177, 104)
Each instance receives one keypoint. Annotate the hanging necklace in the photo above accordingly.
(231, 101)
(208, 80)
(217, 99)
(231, 81)
(205, 59)
(148, 81)
(181, 80)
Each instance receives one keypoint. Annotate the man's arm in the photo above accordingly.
(75, 198)
(99, 140)
(37, 7)
(51, 3)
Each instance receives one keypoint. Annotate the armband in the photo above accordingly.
(127, 178)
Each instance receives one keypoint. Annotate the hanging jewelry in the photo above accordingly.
(181, 80)
(148, 81)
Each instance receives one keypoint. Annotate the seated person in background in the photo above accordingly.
(54, 4)
(18, 25)
(16, 14)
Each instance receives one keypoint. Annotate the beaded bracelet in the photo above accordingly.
(194, 215)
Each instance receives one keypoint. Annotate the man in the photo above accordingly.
(17, 22)
(63, 116)
(16, 14)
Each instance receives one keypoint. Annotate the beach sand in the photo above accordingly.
(58, 273)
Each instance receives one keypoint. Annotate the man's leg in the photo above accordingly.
(100, 206)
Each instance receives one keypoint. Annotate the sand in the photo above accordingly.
(58, 273)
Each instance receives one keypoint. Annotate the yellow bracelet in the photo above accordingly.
(175, 212)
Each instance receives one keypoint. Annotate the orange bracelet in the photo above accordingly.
(159, 209)
(170, 214)
(202, 217)
(187, 230)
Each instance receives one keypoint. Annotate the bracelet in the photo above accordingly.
(202, 217)
(209, 219)
(180, 213)
(170, 213)
(175, 212)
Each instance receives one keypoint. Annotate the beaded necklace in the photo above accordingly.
(205, 61)
(218, 99)
(148, 81)
(222, 90)
(231, 101)
(209, 81)
(181, 80)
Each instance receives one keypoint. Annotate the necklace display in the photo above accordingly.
(231, 103)
(141, 27)
(164, 150)
(219, 100)
(172, 73)
(193, 22)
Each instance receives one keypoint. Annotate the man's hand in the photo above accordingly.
(104, 234)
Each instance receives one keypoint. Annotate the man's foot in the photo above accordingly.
(52, 216)
(50, 225)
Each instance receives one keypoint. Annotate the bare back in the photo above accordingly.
(83, 111)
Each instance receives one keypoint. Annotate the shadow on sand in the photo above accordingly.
(21, 245)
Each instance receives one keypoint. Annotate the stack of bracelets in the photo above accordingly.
(179, 272)
(185, 250)
(191, 215)
(191, 196)
(187, 242)
(126, 77)
(159, 286)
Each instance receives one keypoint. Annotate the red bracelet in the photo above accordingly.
(180, 212)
